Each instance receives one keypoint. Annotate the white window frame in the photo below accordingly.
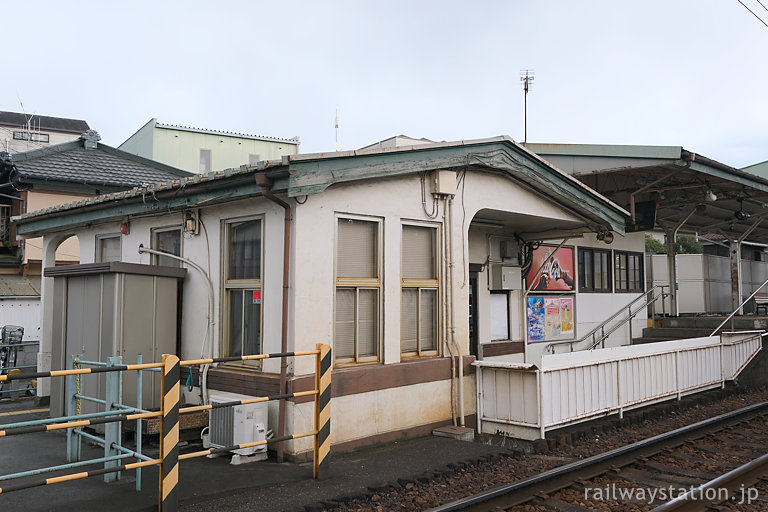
(99, 254)
(419, 285)
(358, 284)
(153, 236)
(228, 285)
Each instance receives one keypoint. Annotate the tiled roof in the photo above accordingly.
(103, 166)
(149, 190)
(56, 124)
(19, 286)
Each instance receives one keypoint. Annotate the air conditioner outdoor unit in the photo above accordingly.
(238, 424)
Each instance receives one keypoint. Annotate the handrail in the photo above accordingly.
(602, 325)
(739, 307)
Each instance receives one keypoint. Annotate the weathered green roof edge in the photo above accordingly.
(312, 176)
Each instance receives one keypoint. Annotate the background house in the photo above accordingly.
(200, 150)
(41, 179)
(26, 132)
(758, 169)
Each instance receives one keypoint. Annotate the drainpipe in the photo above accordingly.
(263, 181)
(452, 321)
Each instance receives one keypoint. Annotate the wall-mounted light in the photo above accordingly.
(190, 222)
(710, 196)
(605, 236)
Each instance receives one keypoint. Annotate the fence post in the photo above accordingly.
(169, 435)
(322, 410)
(112, 430)
(74, 441)
(139, 405)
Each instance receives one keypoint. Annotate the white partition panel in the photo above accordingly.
(525, 401)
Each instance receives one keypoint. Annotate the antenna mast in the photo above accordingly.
(338, 146)
(526, 76)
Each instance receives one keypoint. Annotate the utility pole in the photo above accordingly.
(526, 76)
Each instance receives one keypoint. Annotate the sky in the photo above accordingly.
(689, 73)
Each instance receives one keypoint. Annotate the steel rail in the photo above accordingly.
(558, 478)
(733, 481)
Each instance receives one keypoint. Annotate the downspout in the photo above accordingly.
(452, 321)
(263, 181)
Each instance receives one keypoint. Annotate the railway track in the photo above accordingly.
(717, 464)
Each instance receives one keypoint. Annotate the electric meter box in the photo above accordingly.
(110, 309)
(506, 277)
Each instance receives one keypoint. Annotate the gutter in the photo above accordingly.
(264, 182)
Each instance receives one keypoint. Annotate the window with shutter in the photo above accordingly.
(357, 323)
(419, 306)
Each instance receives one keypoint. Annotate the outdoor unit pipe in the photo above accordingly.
(446, 313)
(209, 327)
(452, 309)
(263, 181)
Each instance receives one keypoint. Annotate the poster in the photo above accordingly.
(556, 274)
(550, 318)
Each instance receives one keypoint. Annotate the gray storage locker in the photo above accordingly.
(113, 309)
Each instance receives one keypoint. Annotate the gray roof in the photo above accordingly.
(294, 140)
(55, 124)
(101, 167)
(19, 286)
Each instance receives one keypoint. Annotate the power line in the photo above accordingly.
(753, 12)
(762, 5)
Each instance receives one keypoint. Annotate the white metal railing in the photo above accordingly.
(525, 400)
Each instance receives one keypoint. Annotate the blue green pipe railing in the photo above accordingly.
(70, 465)
(112, 432)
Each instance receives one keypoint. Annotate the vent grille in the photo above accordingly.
(222, 429)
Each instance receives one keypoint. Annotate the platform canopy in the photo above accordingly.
(682, 188)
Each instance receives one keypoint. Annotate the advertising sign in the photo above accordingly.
(550, 318)
(556, 275)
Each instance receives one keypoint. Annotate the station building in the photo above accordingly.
(411, 262)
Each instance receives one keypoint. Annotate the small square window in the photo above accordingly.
(108, 248)
(167, 240)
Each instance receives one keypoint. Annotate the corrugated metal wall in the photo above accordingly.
(25, 313)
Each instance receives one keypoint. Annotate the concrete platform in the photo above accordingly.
(214, 484)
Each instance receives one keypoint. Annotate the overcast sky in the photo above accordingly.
(660, 72)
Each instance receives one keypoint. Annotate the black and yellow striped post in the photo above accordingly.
(322, 410)
(169, 434)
